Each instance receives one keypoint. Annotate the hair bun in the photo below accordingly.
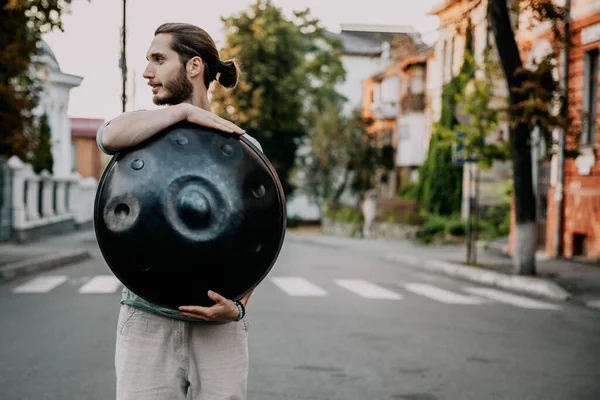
(229, 73)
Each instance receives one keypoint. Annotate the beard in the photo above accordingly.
(179, 89)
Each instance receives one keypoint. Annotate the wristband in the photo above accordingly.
(241, 309)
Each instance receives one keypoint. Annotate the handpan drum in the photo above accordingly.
(189, 210)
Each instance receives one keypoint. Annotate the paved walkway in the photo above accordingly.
(575, 281)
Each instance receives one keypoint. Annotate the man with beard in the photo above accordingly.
(200, 352)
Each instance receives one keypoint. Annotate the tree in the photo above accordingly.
(42, 155)
(439, 189)
(22, 23)
(279, 82)
(342, 155)
(531, 94)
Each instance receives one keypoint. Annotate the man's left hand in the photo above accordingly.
(223, 309)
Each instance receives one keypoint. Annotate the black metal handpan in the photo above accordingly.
(189, 210)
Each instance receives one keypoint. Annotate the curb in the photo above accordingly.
(593, 304)
(525, 284)
(28, 267)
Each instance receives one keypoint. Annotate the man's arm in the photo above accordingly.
(132, 128)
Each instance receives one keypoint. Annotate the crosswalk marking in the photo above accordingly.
(442, 295)
(40, 284)
(509, 298)
(101, 284)
(368, 290)
(296, 286)
(301, 287)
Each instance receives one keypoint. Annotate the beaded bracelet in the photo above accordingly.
(241, 309)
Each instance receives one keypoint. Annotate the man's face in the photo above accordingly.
(165, 74)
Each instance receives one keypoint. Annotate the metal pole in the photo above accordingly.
(469, 230)
(559, 194)
(476, 214)
(123, 57)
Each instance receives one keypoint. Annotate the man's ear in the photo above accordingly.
(195, 67)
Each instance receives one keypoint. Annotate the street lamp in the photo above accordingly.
(123, 60)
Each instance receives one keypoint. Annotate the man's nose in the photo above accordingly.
(148, 73)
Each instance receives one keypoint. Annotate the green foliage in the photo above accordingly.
(440, 181)
(293, 222)
(434, 225)
(541, 100)
(42, 155)
(283, 72)
(457, 227)
(22, 22)
(475, 100)
(342, 154)
(409, 191)
(346, 214)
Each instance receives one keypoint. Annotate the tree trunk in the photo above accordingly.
(520, 143)
(340, 190)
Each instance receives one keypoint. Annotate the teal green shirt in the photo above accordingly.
(127, 296)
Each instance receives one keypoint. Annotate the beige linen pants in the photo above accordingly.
(160, 358)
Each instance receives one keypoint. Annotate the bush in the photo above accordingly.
(293, 222)
(338, 212)
(409, 191)
(457, 227)
(432, 227)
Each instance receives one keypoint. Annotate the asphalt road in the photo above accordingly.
(328, 323)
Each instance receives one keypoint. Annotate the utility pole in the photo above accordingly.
(559, 193)
(123, 61)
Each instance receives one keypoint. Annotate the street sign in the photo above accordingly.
(459, 151)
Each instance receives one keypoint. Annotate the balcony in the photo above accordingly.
(413, 103)
(383, 110)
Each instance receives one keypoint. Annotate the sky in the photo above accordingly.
(90, 44)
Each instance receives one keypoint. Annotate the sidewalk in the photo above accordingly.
(21, 259)
(557, 279)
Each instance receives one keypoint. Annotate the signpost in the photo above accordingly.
(461, 157)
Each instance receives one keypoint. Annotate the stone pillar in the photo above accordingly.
(19, 217)
(74, 193)
(33, 188)
(47, 185)
(61, 196)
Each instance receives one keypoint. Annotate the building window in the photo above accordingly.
(590, 96)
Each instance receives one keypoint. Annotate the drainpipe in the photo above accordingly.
(559, 195)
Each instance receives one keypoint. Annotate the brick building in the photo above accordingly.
(580, 230)
(87, 157)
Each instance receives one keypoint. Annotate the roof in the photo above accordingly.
(85, 127)
(359, 39)
(46, 50)
(441, 7)
(418, 58)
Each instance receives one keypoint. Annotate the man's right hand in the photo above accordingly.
(208, 119)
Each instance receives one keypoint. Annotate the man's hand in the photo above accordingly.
(223, 309)
(202, 117)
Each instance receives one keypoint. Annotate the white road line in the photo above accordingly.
(101, 284)
(40, 284)
(512, 299)
(296, 286)
(367, 290)
(442, 295)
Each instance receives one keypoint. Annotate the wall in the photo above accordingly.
(88, 161)
(411, 140)
(357, 69)
(582, 182)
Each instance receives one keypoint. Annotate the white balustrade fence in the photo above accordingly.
(44, 199)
